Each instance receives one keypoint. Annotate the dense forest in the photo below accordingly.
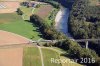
(84, 22)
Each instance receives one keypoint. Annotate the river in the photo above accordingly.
(61, 21)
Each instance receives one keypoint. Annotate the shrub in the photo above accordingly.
(19, 11)
(38, 5)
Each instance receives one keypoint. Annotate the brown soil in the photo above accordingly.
(10, 7)
(44, 11)
(8, 38)
(11, 57)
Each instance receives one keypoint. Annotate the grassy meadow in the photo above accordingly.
(27, 12)
(14, 23)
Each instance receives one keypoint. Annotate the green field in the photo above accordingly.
(27, 11)
(69, 62)
(31, 57)
(47, 55)
(14, 23)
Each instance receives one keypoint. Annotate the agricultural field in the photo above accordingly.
(47, 55)
(6, 18)
(6, 6)
(31, 57)
(43, 11)
(14, 23)
(69, 62)
(11, 56)
(47, 13)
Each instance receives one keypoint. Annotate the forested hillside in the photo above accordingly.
(84, 21)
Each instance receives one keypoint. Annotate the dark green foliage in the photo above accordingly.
(52, 15)
(38, 5)
(54, 4)
(47, 31)
(75, 51)
(19, 11)
(84, 20)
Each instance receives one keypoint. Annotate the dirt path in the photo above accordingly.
(41, 55)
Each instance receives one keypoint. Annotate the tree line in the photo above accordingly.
(47, 31)
(73, 49)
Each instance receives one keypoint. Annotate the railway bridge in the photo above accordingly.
(77, 40)
(87, 41)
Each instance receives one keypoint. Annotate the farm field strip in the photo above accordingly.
(47, 55)
(60, 51)
(31, 57)
(11, 57)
